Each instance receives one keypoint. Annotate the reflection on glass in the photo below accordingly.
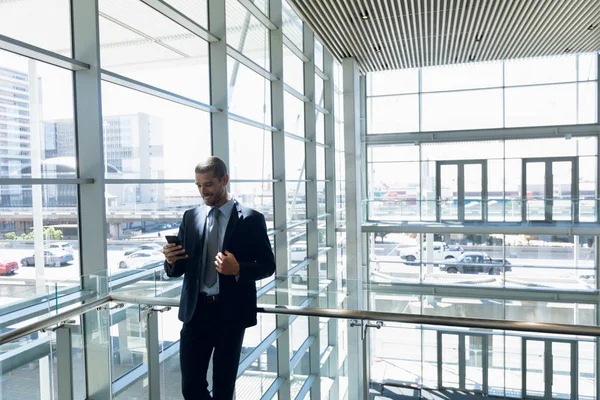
(292, 25)
(293, 114)
(35, 99)
(143, 132)
(477, 109)
(535, 368)
(393, 114)
(241, 81)
(293, 68)
(450, 361)
(247, 34)
(536, 191)
(448, 196)
(29, 22)
(140, 43)
(473, 191)
(541, 105)
(562, 185)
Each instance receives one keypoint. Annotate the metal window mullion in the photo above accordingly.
(91, 201)
(312, 207)
(280, 199)
(37, 53)
(218, 80)
(330, 198)
(357, 388)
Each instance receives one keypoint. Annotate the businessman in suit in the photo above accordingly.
(223, 249)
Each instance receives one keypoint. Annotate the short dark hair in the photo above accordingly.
(212, 164)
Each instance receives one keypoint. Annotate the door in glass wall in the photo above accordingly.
(461, 190)
(550, 189)
(463, 363)
(551, 369)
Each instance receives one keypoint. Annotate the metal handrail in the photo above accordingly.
(492, 324)
(53, 320)
(506, 325)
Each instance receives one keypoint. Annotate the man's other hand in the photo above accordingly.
(227, 264)
(174, 252)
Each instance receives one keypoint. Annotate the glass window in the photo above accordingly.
(196, 10)
(320, 127)
(250, 152)
(42, 23)
(263, 6)
(541, 70)
(319, 93)
(295, 163)
(588, 69)
(394, 191)
(400, 152)
(464, 76)
(551, 147)
(296, 201)
(320, 163)
(541, 105)
(293, 114)
(587, 93)
(477, 109)
(142, 44)
(36, 106)
(457, 151)
(393, 82)
(293, 70)
(393, 114)
(318, 54)
(257, 195)
(292, 25)
(246, 34)
(243, 81)
(144, 135)
(20, 251)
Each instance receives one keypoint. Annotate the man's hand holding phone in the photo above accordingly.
(173, 250)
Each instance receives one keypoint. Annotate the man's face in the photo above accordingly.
(213, 190)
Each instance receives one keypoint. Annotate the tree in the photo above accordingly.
(50, 233)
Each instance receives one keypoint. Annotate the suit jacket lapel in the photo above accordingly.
(234, 219)
(200, 222)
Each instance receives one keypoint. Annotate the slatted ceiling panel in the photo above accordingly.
(416, 33)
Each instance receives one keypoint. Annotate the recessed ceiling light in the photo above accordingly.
(591, 27)
(364, 16)
(377, 48)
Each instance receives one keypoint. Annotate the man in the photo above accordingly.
(223, 249)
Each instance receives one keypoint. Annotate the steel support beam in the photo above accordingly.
(280, 199)
(312, 206)
(92, 206)
(357, 388)
(219, 93)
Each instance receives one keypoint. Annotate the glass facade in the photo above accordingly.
(479, 199)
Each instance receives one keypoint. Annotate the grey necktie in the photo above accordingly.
(212, 247)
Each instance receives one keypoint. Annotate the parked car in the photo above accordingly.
(476, 262)
(142, 259)
(51, 257)
(64, 246)
(8, 267)
(145, 246)
(441, 251)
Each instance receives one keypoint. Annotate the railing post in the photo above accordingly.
(64, 363)
(152, 354)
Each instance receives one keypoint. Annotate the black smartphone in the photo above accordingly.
(172, 239)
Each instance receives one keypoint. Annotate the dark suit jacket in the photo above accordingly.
(246, 238)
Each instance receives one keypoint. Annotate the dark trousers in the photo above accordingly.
(205, 333)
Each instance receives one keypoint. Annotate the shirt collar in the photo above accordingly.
(227, 208)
